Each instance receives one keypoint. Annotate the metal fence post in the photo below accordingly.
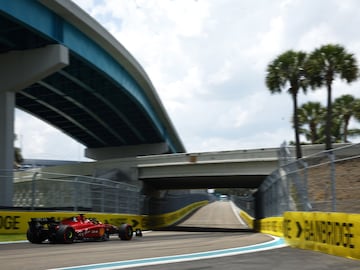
(33, 190)
(103, 197)
(333, 180)
(305, 194)
(75, 193)
(117, 187)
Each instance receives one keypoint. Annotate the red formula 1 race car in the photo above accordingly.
(76, 228)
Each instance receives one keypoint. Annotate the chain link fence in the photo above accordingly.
(42, 190)
(328, 182)
(245, 203)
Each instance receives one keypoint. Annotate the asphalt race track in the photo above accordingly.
(196, 246)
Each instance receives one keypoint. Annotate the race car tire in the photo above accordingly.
(125, 232)
(65, 235)
(35, 237)
(138, 232)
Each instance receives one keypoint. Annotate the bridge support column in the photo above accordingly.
(18, 70)
(7, 102)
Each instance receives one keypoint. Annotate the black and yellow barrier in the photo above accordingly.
(332, 233)
(16, 222)
(13, 222)
(249, 220)
(168, 219)
(271, 225)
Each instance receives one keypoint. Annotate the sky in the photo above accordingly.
(207, 60)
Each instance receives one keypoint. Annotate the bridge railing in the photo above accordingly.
(328, 181)
(42, 190)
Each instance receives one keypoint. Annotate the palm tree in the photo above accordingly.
(311, 114)
(287, 71)
(18, 159)
(344, 108)
(324, 65)
(347, 107)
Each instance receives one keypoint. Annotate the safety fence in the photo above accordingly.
(326, 182)
(41, 190)
(245, 203)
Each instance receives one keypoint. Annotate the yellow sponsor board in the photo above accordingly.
(249, 220)
(168, 219)
(332, 233)
(272, 225)
(17, 222)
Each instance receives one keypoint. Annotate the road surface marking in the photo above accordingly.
(237, 213)
(276, 243)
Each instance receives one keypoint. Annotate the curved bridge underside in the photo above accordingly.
(102, 98)
(60, 65)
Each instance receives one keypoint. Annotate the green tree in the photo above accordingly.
(287, 72)
(324, 65)
(356, 132)
(18, 159)
(346, 108)
(311, 115)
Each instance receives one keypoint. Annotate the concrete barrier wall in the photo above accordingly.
(331, 233)
(171, 203)
(271, 225)
(168, 219)
(249, 220)
(16, 222)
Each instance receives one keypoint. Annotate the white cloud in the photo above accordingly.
(320, 34)
(39, 140)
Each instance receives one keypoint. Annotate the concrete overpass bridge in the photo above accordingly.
(223, 169)
(226, 169)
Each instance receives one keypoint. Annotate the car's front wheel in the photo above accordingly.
(125, 232)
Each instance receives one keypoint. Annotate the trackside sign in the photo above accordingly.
(16, 222)
(332, 233)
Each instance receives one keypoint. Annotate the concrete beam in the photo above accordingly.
(207, 174)
(19, 69)
(189, 169)
(104, 153)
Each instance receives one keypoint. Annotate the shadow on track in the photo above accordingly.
(203, 229)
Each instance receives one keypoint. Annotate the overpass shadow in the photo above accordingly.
(204, 229)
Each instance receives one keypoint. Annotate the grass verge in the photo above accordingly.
(12, 237)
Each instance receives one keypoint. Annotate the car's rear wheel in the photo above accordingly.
(65, 235)
(125, 232)
(35, 237)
